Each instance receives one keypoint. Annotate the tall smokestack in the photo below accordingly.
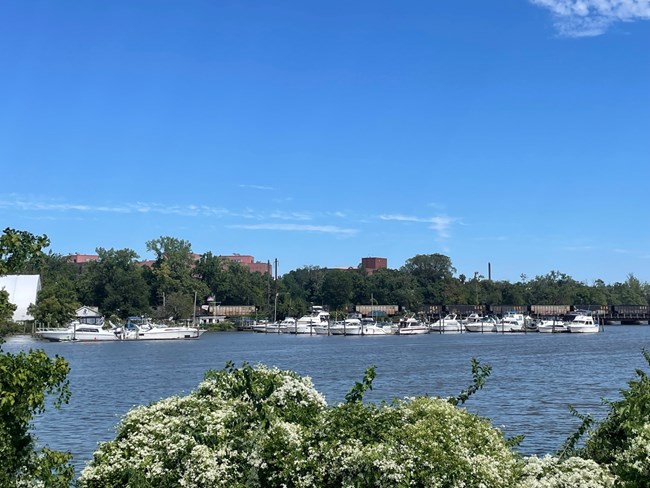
(489, 271)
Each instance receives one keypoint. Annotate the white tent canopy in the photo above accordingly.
(22, 291)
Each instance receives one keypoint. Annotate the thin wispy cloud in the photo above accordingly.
(585, 18)
(127, 208)
(492, 238)
(440, 224)
(257, 187)
(325, 229)
(579, 248)
(290, 216)
(144, 208)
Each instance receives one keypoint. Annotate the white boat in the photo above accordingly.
(551, 326)
(349, 326)
(512, 322)
(471, 318)
(448, 323)
(145, 329)
(307, 323)
(261, 326)
(583, 323)
(322, 329)
(271, 327)
(412, 326)
(77, 331)
(370, 327)
(485, 324)
(287, 325)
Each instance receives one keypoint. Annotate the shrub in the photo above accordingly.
(270, 428)
(622, 440)
(574, 472)
(25, 381)
(226, 433)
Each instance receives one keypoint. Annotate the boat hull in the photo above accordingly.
(64, 335)
(376, 331)
(169, 333)
(584, 329)
(446, 328)
(413, 330)
(479, 327)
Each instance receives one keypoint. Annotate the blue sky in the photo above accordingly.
(514, 132)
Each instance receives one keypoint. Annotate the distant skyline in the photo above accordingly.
(319, 133)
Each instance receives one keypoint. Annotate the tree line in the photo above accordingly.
(120, 286)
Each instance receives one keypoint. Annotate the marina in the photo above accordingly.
(107, 379)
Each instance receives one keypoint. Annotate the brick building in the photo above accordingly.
(250, 263)
(80, 260)
(373, 264)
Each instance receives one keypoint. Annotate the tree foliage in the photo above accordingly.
(116, 284)
(622, 439)
(56, 303)
(6, 309)
(19, 249)
(25, 380)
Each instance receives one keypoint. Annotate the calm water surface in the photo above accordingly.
(534, 376)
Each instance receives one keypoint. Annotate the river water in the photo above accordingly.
(534, 376)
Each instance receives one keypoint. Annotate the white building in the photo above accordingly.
(22, 291)
(89, 315)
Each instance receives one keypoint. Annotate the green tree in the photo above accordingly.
(58, 299)
(629, 293)
(336, 289)
(491, 292)
(116, 284)
(56, 303)
(621, 440)
(390, 286)
(172, 268)
(19, 249)
(433, 273)
(213, 272)
(26, 380)
(304, 287)
(245, 288)
(554, 288)
(178, 306)
(6, 309)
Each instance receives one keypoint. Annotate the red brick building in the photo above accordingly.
(250, 263)
(373, 264)
(79, 260)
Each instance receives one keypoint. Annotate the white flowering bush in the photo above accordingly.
(574, 472)
(227, 433)
(415, 442)
(633, 463)
(262, 427)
